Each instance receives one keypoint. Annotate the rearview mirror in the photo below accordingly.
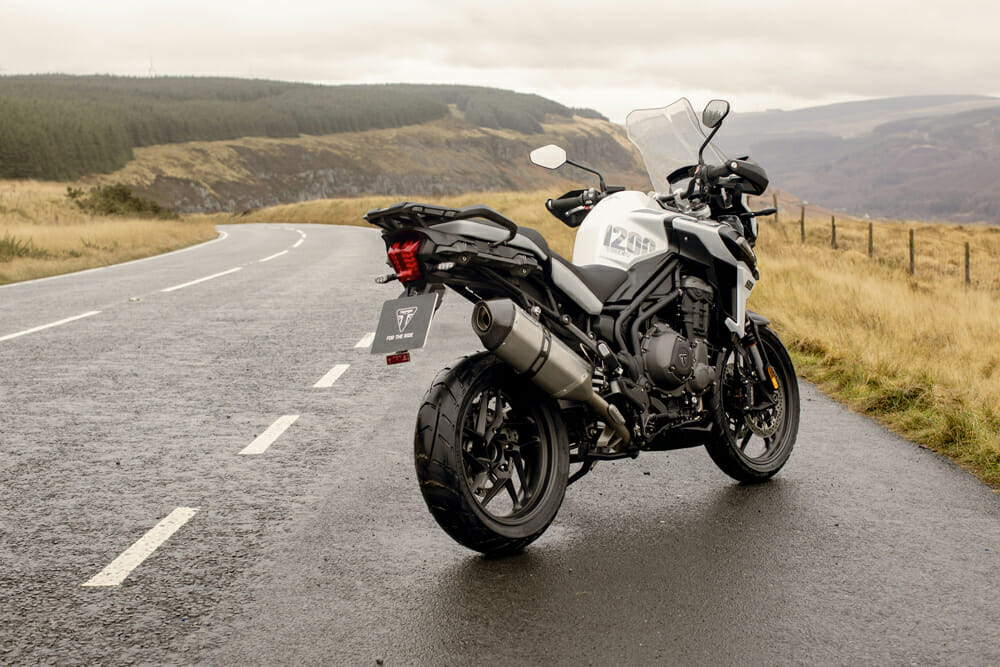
(714, 112)
(550, 157)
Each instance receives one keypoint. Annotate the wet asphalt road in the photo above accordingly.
(865, 549)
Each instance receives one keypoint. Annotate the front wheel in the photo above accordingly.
(491, 455)
(755, 426)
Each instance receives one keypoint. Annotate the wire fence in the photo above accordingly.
(966, 254)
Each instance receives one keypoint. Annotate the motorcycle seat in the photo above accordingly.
(602, 280)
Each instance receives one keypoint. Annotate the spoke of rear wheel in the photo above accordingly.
(478, 462)
(498, 486)
(483, 415)
(746, 441)
(531, 442)
(519, 468)
(513, 494)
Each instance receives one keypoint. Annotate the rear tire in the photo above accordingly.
(752, 446)
(491, 455)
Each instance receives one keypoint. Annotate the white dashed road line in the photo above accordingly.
(201, 280)
(267, 438)
(48, 326)
(116, 572)
(299, 242)
(332, 376)
(277, 254)
(222, 237)
(367, 340)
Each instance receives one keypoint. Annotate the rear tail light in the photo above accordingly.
(403, 258)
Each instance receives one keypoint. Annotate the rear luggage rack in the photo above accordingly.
(407, 215)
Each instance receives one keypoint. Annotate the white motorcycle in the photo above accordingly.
(642, 343)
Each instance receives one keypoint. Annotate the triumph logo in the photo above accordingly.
(404, 316)
(404, 324)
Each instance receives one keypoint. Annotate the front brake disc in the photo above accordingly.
(765, 423)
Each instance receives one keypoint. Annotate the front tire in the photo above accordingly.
(751, 445)
(491, 455)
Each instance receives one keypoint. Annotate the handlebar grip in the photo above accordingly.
(563, 205)
(713, 172)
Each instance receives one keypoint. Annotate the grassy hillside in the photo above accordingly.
(60, 127)
(44, 233)
(446, 156)
(936, 168)
(919, 353)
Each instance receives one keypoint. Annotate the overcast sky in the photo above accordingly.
(612, 55)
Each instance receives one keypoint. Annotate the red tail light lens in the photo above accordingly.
(403, 257)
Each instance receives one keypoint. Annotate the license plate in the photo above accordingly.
(404, 324)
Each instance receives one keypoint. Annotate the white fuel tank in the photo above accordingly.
(622, 229)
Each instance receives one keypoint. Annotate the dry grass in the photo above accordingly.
(920, 353)
(42, 233)
(939, 248)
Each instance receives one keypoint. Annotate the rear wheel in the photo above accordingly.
(491, 455)
(754, 432)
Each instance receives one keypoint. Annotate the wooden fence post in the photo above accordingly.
(774, 198)
(968, 270)
(871, 240)
(833, 232)
(802, 224)
(912, 255)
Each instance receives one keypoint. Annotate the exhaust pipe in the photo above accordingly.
(531, 349)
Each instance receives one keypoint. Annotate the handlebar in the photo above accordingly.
(710, 173)
(565, 204)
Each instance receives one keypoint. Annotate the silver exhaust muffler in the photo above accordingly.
(532, 350)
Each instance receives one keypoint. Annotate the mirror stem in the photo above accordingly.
(708, 140)
(604, 188)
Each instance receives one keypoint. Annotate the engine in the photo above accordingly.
(676, 360)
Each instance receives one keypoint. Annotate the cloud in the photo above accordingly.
(767, 53)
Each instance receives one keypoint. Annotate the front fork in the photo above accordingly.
(760, 395)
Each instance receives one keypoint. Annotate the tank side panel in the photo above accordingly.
(621, 230)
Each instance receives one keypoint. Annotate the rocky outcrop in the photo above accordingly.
(439, 158)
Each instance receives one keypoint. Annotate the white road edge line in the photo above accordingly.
(49, 325)
(367, 340)
(331, 377)
(201, 280)
(277, 254)
(222, 237)
(267, 438)
(116, 571)
(299, 242)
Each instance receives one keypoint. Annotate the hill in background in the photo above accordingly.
(209, 144)
(443, 157)
(215, 144)
(930, 157)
